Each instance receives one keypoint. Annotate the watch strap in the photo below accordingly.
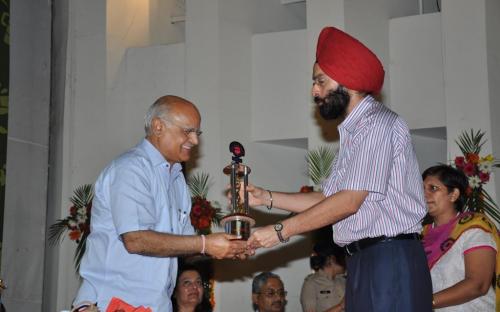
(280, 236)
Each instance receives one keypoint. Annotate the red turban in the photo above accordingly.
(348, 61)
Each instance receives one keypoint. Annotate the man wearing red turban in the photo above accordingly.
(373, 197)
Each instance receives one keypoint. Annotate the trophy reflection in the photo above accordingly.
(238, 222)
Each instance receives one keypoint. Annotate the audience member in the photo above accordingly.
(324, 290)
(189, 293)
(268, 293)
(461, 246)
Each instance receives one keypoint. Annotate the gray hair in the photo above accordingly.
(261, 279)
(159, 109)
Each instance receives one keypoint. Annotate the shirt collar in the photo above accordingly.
(157, 158)
(357, 113)
(324, 274)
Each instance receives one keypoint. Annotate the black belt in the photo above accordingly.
(356, 246)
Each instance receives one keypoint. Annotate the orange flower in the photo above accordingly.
(203, 223)
(75, 235)
(472, 158)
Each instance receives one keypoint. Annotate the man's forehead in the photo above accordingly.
(273, 282)
(318, 72)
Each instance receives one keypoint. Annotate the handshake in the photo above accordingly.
(239, 242)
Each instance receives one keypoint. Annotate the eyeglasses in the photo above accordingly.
(189, 284)
(187, 130)
(432, 188)
(271, 293)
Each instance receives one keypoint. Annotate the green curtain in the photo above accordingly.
(4, 98)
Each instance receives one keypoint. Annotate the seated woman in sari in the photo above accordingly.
(461, 247)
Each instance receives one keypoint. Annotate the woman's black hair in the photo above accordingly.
(453, 179)
(323, 250)
(204, 305)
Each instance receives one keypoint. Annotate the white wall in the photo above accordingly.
(416, 70)
(278, 69)
(131, 23)
(368, 21)
(493, 64)
(430, 150)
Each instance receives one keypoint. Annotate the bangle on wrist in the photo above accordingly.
(270, 200)
(202, 244)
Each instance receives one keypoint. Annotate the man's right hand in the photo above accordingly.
(225, 246)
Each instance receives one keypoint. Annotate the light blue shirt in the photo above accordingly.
(138, 191)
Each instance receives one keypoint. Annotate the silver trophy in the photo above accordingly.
(238, 222)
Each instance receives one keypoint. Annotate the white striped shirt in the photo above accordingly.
(376, 155)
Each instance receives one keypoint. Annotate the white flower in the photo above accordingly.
(485, 166)
(82, 211)
(80, 218)
(72, 223)
(474, 181)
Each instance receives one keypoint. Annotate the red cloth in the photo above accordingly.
(349, 62)
(118, 305)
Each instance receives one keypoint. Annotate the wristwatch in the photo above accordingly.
(278, 227)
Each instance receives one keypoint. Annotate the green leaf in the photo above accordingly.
(82, 196)
(198, 184)
(57, 230)
(470, 142)
(490, 207)
(320, 163)
(80, 251)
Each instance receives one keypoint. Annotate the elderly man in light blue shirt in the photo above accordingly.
(140, 216)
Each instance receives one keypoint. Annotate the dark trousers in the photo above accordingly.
(390, 276)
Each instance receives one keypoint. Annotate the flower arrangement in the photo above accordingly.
(77, 223)
(319, 163)
(204, 213)
(478, 170)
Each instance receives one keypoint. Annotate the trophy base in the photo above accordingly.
(238, 224)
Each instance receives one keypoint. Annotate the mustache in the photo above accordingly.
(334, 104)
(320, 101)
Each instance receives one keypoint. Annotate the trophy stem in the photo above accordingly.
(245, 191)
(234, 189)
